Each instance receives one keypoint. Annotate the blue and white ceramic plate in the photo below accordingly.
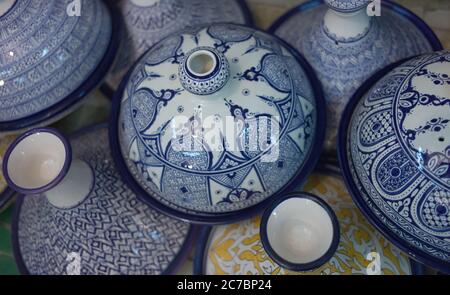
(53, 53)
(108, 232)
(213, 121)
(394, 148)
(237, 248)
(346, 50)
(149, 21)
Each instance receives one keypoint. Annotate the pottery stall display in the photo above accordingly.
(148, 21)
(394, 148)
(78, 215)
(346, 46)
(52, 54)
(6, 194)
(214, 121)
(238, 249)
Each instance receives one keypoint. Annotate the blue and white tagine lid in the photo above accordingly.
(148, 21)
(76, 216)
(395, 153)
(212, 122)
(52, 53)
(346, 41)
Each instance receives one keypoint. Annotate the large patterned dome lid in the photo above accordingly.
(396, 155)
(211, 122)
(100, 230)
(346, 47)
(48, 50)
(148, 21)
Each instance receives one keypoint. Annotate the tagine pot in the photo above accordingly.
(394, 145)
(239, 248)
(75, 216)
(148, 21)
(346, 41)
(53, 53)
(211, 123)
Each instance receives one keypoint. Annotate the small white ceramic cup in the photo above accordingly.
(300, 232)
(37, 161)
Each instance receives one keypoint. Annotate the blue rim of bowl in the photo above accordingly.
(205, 235)
(109, 92)
(179, 258)
(413, 252)
(89, 84)
(223, 218)
(420, 24)
(56, 180)
(300, 267)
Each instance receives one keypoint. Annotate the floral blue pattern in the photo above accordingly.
(265, 81)
(343, 65)
(398, 149)
(148, 23)
(110, 231)
(46, 54)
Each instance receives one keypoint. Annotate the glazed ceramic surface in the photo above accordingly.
(347, 5)
(149, 21)
(161, 107)
(343, 61)
(300, 231)
(47, 55)
(237, 248)
(396, 154)
(106, 231)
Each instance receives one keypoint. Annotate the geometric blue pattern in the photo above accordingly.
(45, 55)
(403, 175)
(342, 65)
(110, 231)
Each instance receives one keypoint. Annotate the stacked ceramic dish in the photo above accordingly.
(214, 123)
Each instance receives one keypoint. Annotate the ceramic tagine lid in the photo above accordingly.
(212, 122)
(346, 46)
(395, 153)
(52, 54)
(148, 21)
(76, 215)
(238, 249)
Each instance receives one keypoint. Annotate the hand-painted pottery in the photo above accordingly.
(52, 54)
(148, 21)
(87, 221)
(7, 263)
(300, 231)
(212, 122)
(237, 248)
(395, 152)
(6, 193)
(346, 46)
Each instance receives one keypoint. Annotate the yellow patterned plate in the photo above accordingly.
(5, 193)
(237, 249)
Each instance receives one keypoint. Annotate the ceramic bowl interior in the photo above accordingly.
(35, 160)
(300, 230)
(201, 63)
(6, 5)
